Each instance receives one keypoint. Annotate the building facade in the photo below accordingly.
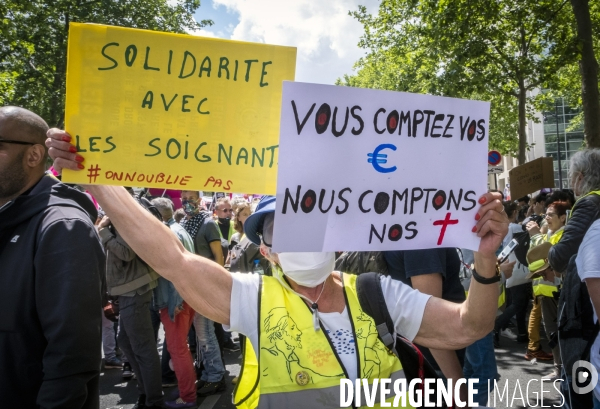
(542, 136)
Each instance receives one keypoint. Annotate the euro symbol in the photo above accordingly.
(377, 158)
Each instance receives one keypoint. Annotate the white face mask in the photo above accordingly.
(307, 269)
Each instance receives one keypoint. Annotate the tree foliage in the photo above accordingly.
(34, 34)
(498, 51)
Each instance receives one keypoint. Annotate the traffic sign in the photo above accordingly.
(495, 169)
(494, 158)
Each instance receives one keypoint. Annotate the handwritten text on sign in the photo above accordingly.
(174, 111)
(378, 170)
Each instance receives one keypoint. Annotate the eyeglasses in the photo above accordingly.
(550, 215)
(17, 142)
(226, 210)
(262, 238)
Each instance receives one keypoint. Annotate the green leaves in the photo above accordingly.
(477, 49)
(33, 42)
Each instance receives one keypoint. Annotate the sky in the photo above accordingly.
(325, 35)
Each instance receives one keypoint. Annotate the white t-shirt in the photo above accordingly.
(406, 307)
(588, 266)
(520, 272)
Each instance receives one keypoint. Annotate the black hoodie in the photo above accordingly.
(51, 268)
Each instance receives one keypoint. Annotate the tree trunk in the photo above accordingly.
(588, 66)
(522, 122)
(57, 107)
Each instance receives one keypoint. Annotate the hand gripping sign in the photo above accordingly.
(366, 169)
(174, 111)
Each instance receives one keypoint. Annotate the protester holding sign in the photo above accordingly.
(287, 322)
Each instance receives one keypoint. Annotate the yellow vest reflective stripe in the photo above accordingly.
(555, 237)
(593, 192)
(542, 287)
(231, 230)
(502, 297)
(298, 366)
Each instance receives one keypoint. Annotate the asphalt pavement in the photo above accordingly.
(523, 379)
(117, 393)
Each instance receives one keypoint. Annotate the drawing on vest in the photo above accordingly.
(370, 353)
(285, 340)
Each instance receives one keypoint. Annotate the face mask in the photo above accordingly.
(307, 269)
(190, 207)
(224, 220)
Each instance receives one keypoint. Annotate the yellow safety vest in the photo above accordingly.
(502, 297)
(298, 366)
(541, 286)
(593, 192)
(231, 230)
(546, 288)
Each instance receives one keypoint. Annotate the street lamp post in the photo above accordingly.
(558, 145)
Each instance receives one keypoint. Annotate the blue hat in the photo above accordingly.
(253, 226)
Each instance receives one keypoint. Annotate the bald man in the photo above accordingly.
(51, 266)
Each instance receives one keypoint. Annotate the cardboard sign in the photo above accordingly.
(366, 169)
(531, 176)
(174, 111)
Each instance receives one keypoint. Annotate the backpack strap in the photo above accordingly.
(370, 297)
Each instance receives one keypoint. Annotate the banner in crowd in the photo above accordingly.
(367, 169)
(175, 111)
(531, 176)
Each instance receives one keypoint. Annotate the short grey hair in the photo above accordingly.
(164, 206)
(587, 162)
(222, 200)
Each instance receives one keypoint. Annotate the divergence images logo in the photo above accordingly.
(585, 377)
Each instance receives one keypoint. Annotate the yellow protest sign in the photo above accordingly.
(174, 111)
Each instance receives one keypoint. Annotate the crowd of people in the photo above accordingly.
(102, 267)
(192, 354)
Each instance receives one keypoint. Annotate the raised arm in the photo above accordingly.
(447, 360)
(205, 285)
(448, 325)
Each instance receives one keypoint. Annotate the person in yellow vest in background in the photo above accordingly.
(539, 268)
(302, 324)
(225, 221)
(584, 174)
(543, 290)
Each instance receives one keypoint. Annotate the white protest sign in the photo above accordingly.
(369, 170)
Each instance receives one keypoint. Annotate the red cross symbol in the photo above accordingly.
(444, 223)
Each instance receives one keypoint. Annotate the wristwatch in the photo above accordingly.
(490, 280)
